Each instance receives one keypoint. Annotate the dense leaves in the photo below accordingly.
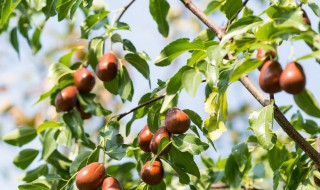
(66, 142)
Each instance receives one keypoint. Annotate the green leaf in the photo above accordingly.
(34, 186)
(213, 6)
(79, 162)
(57, 71)
(154, 118)
(63, 7)
(241, 26)
(216, 54)
(96, 50)
(194, 117)
(14, 40)
(35, 41)
(184, 160)
(88, 105)
(7, 7)
(232, 172)
(46, 95)
(269, 32)
(113, 86)
(189, 143)
(119, 26)
(140, 64)
(232, 7)
(315, 8)
(74, 122)
(241, 155)
(159, 10)
(183, 176)
(191, 81)
(306, 101)
(20, 136)
(39, 4)
(176, 48)
(128, 45)
(49, 143)
(168, 102)
(175, 83)
(261, 123)
(164, 143)
(277, 156)
(243, 66)
(65, 137)
(315, 54)
(25, 157)
(126, 89)
(74, 8)
(47, 125)
(60, 162)
(67, 58)
(50, 9)
(35, 173)
(114, 146)
(92, 21)
(205, 35)
(287, 17)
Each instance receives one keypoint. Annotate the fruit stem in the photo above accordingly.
(272, 97)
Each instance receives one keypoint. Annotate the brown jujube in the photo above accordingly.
(152, 174)
(91, 176)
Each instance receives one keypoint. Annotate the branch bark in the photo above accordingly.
(257, 94)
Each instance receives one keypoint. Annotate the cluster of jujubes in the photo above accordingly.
(84, 82)
(273, 79)
(92, 176)
(176, 122)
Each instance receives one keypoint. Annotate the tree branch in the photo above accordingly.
(196, 11)
(258, 95)
(124, 10)
(120, 116)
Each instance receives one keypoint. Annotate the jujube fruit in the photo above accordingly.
(144, 139)
(161, 132)
(84, 80)
(111, 183)
(91, 176)
(152, 174)
(270, 76)
(293, 79)
(107, 67)
(177, 122)
(265, 55)
(66, 99)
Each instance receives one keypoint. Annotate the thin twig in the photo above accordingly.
(120, 116)
(258, 95)
(124, 10)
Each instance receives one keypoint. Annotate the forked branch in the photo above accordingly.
(258, 95)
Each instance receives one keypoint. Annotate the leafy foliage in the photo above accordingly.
(67, 145)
